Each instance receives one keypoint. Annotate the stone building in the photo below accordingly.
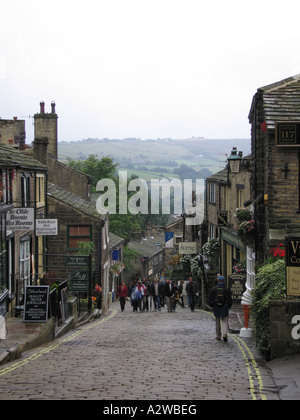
(227, 191)
(68, 198)
(22, 201)
(32, 179)
(275, 194)
(276, 159)
(150, 260)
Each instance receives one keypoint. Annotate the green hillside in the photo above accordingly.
(157, 158)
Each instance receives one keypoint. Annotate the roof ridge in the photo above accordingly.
(281, 84)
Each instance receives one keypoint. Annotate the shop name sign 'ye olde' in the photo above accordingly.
(293, 266)
(20, 219)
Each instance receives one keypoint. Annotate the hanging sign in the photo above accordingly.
(187, 248)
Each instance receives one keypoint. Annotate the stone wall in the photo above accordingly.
(282, 312)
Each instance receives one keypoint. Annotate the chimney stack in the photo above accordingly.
(45, 126)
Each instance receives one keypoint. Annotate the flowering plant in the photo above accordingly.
(246, 232)
(240, 268)
(211, 247)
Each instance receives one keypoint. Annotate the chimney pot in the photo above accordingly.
(53, 107)
(42, 107)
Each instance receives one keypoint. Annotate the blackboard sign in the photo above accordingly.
(36, 304)
(237, 286)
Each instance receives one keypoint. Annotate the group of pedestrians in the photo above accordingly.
(142, 293)
(166, 292)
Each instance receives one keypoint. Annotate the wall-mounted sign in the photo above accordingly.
(287, 134)
(46, 227)
(20, 219)
(80, 273)
(293, 266)
(187, 248)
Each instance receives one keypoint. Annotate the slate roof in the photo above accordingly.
(115, 240)
(74, 201)
(221, 176)
(14, 158)
(147, 247)
(281, 101)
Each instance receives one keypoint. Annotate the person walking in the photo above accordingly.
(180, 291)
(191, 290)
(136, 295)
(169, 294)
(146, 285)
(221, 302)
(155, 293)
(122, 295)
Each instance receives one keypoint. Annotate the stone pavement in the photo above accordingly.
(141, 356)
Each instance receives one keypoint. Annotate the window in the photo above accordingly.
(212, 192)
(40, 190)
(3, 254)
(25, 190)
(6, 177)
(240, 196)
(24, 264)
(78, 234)
(212, 231)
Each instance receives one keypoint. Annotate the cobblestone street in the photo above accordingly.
(141, 356)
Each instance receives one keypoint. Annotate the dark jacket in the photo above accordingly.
(169, 292)
(191, 288)
(221, 311)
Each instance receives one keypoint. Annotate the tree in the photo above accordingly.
(104, 168)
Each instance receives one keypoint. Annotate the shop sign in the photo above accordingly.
(20, 219)
(36, 304)
(287, 134)
(187, 248)
(79, 273)
(237, 286)
(293, 266)
(46, 227)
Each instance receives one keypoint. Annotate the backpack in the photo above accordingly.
(219, 296)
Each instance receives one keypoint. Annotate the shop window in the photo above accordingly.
(78, 234)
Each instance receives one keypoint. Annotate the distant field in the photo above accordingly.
(136, 155)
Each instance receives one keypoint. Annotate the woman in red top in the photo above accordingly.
(122, 294)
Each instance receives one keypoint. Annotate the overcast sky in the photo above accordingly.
(144, 68)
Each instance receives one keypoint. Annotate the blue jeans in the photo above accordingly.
(156, 300)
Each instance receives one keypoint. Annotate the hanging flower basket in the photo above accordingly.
(246, 232)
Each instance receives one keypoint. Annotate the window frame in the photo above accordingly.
(80, 237)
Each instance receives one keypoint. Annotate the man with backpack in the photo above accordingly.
(221, 302)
